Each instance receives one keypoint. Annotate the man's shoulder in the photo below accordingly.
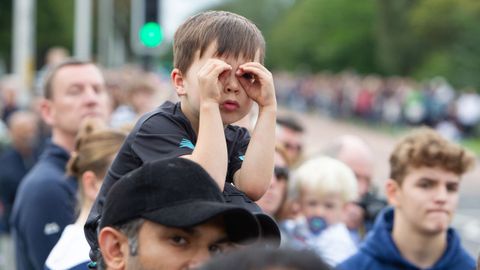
(456, 257)
(44, 170)
(360, 261)
(467, 262)
(8, 154)
(11, 162)
(42, 181)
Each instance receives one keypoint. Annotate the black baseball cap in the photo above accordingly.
(269, 230)
(175, 193)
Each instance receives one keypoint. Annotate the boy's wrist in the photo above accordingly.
(209, 103)
(209, 108)
(268, 108)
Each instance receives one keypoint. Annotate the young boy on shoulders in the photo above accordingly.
(218, 74)
(423, 190)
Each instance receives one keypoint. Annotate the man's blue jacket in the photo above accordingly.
(379, 252)
(44, 205)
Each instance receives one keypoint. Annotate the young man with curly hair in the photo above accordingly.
(423, 189)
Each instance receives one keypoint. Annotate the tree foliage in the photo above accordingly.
(5, 30)
(324, 34)
(450, 30)
(397, 50)
(54, 27)
(55, 22)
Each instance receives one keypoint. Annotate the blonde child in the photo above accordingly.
(322, 187)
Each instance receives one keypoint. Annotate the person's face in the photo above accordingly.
(9, 97)
(362, 167)
(354, 216)
(143, 101)
(24, 134)
(166, 248)
(426, 200)
(234, 102)
(329, 207)
(78, 92)
(292, 141)
(276, 192)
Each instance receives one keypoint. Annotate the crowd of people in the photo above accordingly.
(393, 101)
(121, 174)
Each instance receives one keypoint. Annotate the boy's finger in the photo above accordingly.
(255, 65)
(246, 76)
(245, 81)
(257, 72)
(215, 68)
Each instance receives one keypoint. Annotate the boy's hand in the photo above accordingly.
(258, 83)
(209, 82)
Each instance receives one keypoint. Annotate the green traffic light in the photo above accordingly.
(151, 34)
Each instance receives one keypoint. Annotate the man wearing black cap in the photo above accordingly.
(169, 214)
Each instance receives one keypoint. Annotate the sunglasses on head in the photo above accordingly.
(281, 172)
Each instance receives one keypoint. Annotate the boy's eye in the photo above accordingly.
(329, 205)
(249, 77)
(452, 187)
(425, 184)
(312, 203)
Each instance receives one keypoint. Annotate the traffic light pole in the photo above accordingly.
(105, 32)
(147, 62)
(23, 44)
(146, 34)
(82, 48)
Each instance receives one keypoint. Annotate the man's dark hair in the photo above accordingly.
(290, 122)
(47, 86)
(261, 258)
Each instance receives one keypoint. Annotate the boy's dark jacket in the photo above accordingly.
(379, 252)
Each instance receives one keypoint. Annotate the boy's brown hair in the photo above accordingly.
(426, 148)
(234, 35)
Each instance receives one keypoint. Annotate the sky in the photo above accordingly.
(176, 11)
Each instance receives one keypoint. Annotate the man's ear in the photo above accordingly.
(177, 80)
(392, 189)
(47, 110)
(114, 247)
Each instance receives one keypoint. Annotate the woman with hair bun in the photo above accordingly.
(95, 148)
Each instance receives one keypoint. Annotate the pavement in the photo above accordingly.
(322, 130)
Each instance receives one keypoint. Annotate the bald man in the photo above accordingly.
(357, 154)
